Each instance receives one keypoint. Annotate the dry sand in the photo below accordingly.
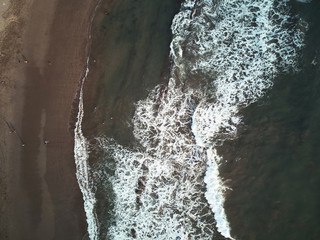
(40, 198)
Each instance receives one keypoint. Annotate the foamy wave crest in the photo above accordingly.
(215, 191)
(159, 189)
(81, 155)
(226, 55)
(159, 198)
(242, 45)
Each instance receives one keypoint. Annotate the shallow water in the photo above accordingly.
(162, 158)
(130, 47)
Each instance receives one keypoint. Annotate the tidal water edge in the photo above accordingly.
(199, 120)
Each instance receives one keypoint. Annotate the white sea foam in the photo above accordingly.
(215, 193)
(171, 203)
(243, 44)
(233, 49)
(81, 155)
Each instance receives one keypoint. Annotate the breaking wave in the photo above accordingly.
(225, 55)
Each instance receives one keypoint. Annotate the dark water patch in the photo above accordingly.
(274, 164)
(274, 169)
(130, 55)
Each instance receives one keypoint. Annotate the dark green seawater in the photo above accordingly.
(274, 164)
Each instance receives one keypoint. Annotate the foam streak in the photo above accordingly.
(81, 155)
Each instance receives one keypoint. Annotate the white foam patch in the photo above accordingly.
(215, 192)
(170, 204)
(236, 48)
(81, 155)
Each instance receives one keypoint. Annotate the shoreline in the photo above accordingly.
(129, 57)
(43, 199)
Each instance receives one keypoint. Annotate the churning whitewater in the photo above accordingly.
(225, 55)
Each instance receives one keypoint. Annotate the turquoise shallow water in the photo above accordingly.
(274, 164)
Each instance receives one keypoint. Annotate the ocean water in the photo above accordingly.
(204, 131)
(273, 165)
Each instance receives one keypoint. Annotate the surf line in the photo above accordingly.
(81, 153)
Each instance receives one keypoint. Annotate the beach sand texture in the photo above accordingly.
(43, 55)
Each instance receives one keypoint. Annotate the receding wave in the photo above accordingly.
(225, 54)
(85, 181)
(81, 155)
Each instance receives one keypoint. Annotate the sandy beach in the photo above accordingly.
(43, 55)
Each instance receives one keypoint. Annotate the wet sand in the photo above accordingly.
(40, 197)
